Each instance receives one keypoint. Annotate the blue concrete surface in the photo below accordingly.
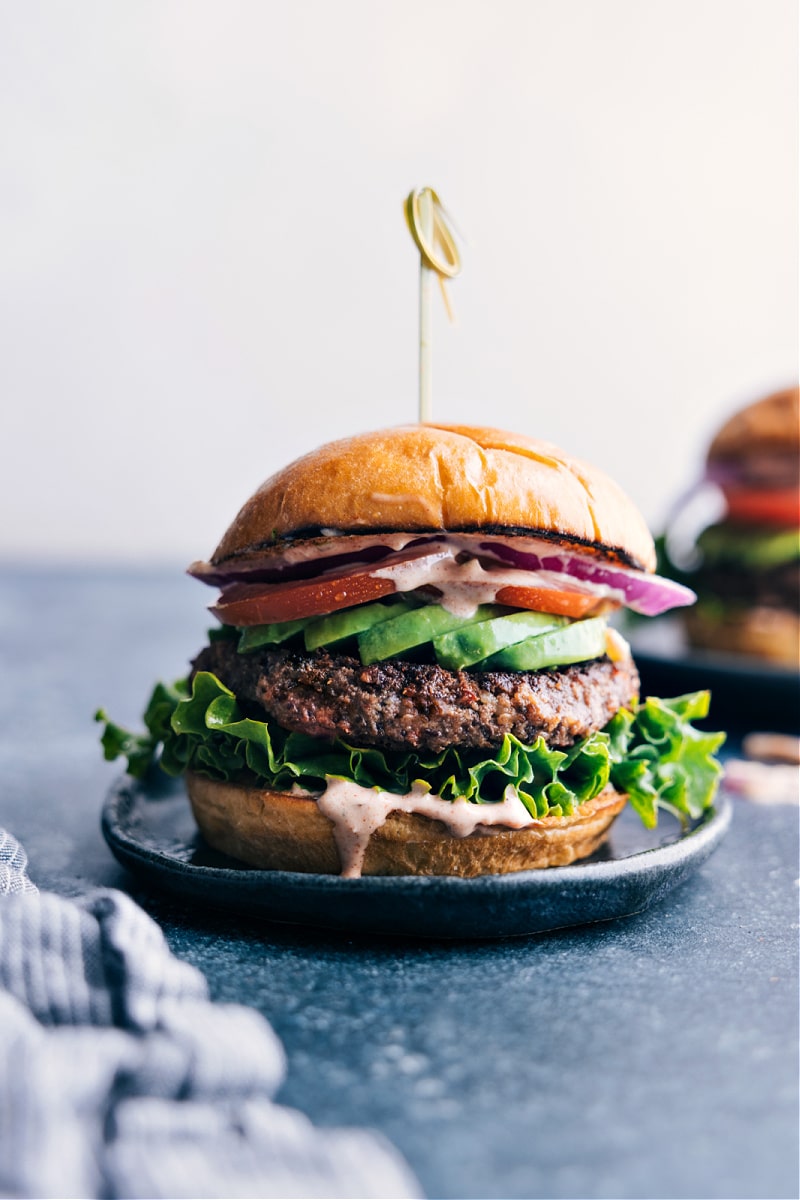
(650, 1057)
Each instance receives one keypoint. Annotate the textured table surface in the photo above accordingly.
(654, 1056)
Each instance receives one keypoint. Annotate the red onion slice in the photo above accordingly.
(650, 595)
(543, 564)
(307, 558)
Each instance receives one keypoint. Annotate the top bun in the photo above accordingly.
(454, 478)
(766, 426)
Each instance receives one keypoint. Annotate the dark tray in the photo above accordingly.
(151, 831)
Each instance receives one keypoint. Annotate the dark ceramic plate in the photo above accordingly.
(152, 832)
(746, 693)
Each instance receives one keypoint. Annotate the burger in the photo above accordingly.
(745, 565)
(414, 672)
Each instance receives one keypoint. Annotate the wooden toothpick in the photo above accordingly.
(438, 257)
(425, 310)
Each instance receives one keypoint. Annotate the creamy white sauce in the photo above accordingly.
(335, 541)
(461, 586)
(465, 585)
(304, 793)
(330, 543)
(356, 813)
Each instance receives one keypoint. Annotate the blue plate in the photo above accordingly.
(151, 831)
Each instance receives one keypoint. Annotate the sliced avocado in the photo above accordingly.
(578, 642)
(254, 636)
(416, 627)
(472, 643)
(337, 626)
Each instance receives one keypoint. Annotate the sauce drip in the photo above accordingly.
(466, 585)
(356, 812)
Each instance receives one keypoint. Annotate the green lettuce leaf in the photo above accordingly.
(653, 752)
(666, 762)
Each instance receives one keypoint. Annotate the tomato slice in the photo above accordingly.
(764, 506)
(267, 603)
(550, 600)
(254, 604)
(246, 604)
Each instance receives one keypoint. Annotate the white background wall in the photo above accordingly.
(204, 269)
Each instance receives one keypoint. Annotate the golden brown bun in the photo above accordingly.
(282, 832)
(439, 477)
(767, 426)
(768, 633)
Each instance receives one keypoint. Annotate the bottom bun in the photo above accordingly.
(767, 633)
(280, 831)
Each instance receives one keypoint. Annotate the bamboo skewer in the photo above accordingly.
(438, 257)
(425, 311)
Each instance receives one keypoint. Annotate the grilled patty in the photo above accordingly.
(400, 705)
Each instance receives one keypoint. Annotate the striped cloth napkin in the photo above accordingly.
(120, 1078)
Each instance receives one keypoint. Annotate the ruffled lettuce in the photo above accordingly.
(653, 752)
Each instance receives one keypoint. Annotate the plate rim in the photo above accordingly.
(705, 834)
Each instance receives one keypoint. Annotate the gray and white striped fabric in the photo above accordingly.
(119, 1077)
(13, 866)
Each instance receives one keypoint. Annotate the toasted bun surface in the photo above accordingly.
(279, 831)
(442, 478)
(767, 426)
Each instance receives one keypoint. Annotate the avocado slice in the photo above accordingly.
(415, 628)
(578, 642)
(336, 626)
(255, 636)
(473, 643)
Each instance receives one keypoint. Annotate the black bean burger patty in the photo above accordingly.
(404, 705)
